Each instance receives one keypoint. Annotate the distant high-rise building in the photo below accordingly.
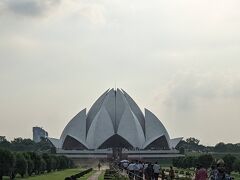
(39, 133)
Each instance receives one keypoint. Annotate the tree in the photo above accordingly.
(181, 150)
(43, 165)
(63, 162)
(7, 162)
(220, 147)
(4, 144)
(49, 162)
(36, 158)
(205, 160)
(30, 163)
(236, 165)
(192, 140)
(21, 164)
(55, 162)
(229, 160)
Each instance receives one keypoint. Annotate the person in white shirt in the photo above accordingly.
(130, 169)
(156, 170)
(136, 170)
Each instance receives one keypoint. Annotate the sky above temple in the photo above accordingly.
(179, 59)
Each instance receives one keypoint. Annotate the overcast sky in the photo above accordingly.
(179, 59)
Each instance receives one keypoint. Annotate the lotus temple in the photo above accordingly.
(115, 126)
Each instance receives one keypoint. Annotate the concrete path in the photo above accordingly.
(98, 173)
(95, 175)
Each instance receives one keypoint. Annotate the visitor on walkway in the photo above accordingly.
(156, 170)
(163, 174)
(171, 173)
(201, 173)
(140, 167)
(136, 170)
(99, 166)
(131, 170)
(125, 165)
(220, 172)
(149, 173)
(213, 172)
(144, 169)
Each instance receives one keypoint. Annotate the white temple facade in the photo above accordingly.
(115, 121)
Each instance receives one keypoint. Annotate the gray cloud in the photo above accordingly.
(29, 7)
(186, 90)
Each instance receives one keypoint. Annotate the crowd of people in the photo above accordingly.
(139, 170)
(217, 172)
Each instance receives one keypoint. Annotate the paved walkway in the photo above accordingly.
(95, 175)
(98, 173)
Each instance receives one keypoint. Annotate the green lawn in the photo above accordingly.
(236, 175)
(101, 177)
(58, 175)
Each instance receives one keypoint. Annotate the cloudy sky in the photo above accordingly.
(180, 59)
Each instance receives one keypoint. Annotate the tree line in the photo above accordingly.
(29, 163)
(20, 144)
(207, 160)
(192, 144)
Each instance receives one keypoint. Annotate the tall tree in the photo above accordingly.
(7, 162)
(21, 164)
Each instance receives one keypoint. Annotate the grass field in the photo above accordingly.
(52, 176)
(101, 177)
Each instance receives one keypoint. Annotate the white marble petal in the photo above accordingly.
(174, 142)
(154, 128)
(130, 129)
(55, 142)
(76, 128)
(136, 110)
(100, 130)
(95, 109)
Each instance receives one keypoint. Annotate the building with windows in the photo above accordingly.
(39, 133)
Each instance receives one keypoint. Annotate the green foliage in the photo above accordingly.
(21, 164)
(222, 147)
(191, 161)
(64, 162)
(27, 163)
(30, 163)
(7, 163)
(181, 150)
(36, 158)
(20, 144)
(192, 140)
(205, 160)
(185, 162)
(49, 161)
(229, 161)
(236, 165)
(192, 145)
